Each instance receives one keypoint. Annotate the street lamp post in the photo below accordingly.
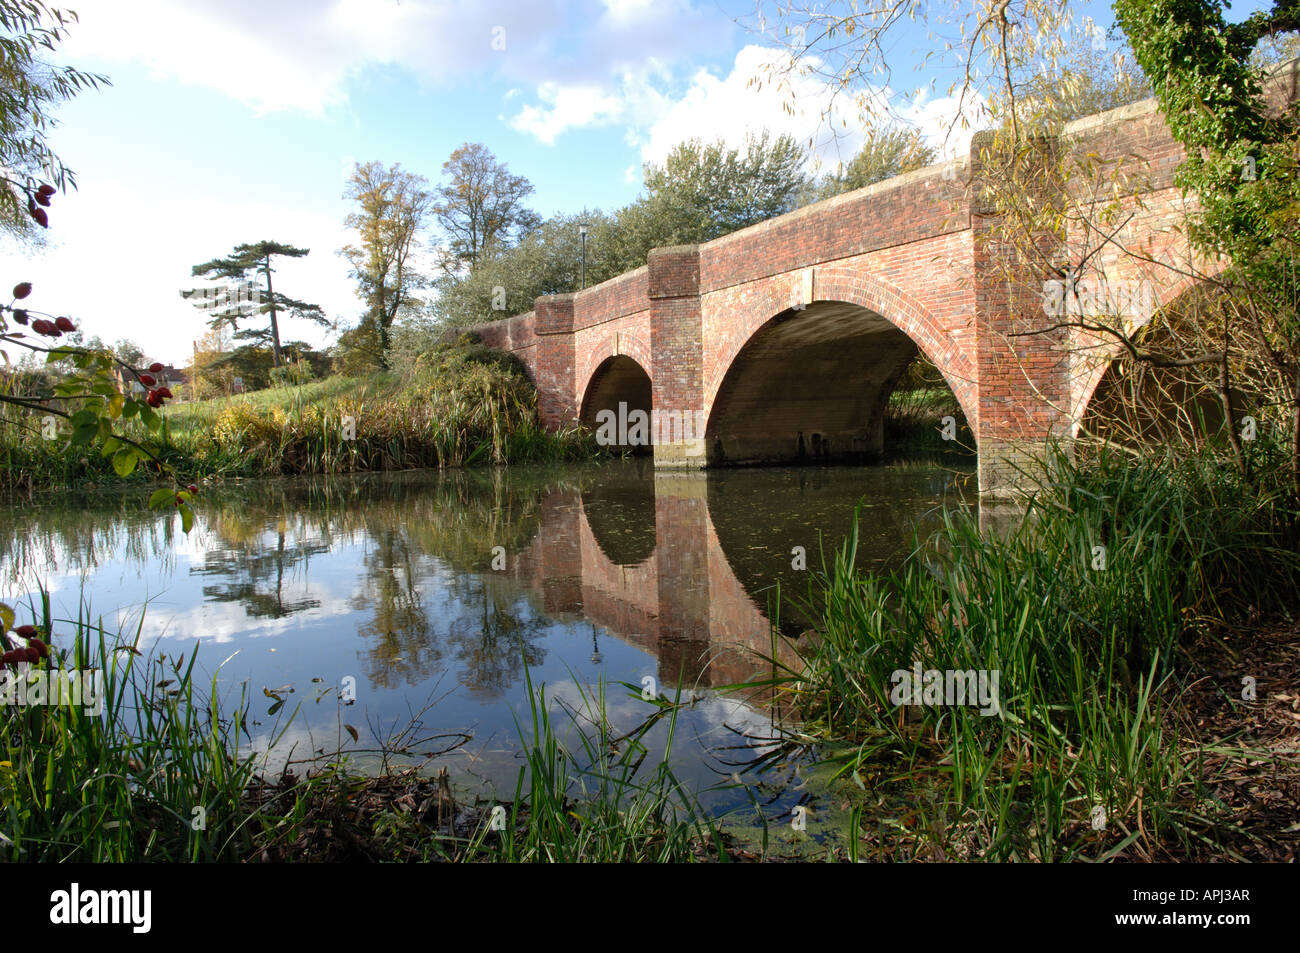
(582, 231)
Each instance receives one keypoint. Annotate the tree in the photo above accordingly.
(481, 207)
(231, 308)
(702, 192)
(87, 398)
(1002, 46)
(358, 352)
(393, 206)
(209, 371)
(546, 261)
(128, 352)
(1082, 82)
(886, 152)
(1242, 167)
(30, 171)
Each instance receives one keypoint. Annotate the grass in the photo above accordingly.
(1092, 659)
(457, 412)
(915, 421)
(159, 775)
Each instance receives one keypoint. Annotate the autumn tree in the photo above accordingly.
(210, 372)
(480, 206)
(392, 209)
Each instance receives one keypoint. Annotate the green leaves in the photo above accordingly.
(162, 497)
(124, 461)
(166, 497)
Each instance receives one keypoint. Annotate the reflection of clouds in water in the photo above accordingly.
(715, 723)
(211, 622)
(220, 622)
(301, 739)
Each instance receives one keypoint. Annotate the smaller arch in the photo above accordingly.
(615, 344)
(622, 386)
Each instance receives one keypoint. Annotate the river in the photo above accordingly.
(421, 598)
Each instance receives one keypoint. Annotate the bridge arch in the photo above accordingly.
(1100, 368)
(1097, 392)
(792, 382)
(615, 372)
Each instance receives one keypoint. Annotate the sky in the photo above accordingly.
(233, 121)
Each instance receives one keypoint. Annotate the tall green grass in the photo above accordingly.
(596, 799)
(1088, 655)
(159, 775)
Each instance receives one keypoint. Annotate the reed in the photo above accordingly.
(158, 774)
(1090, 646)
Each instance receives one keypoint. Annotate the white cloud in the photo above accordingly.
(118, 260)
(296, 54)
(567, 107)
(300, 54)
(748, 99)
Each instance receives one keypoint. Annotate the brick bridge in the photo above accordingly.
(785, 339)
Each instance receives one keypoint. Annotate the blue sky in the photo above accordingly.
(236, 120)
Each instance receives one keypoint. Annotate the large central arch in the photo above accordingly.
(812, 383)
(809, 384)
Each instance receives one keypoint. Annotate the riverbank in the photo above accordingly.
(467, 406)
(464, 408)
(1135, 636)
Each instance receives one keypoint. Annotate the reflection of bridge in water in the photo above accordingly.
(661, 560)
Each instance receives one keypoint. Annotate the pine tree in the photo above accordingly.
(234, 304)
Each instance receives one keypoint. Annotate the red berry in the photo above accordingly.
(165, 393)
(64, 324)
(147, 380)
(193, 488)
(39, 214)
(41, 326)
(42, 199)
(22, 289)
(156, 367)
(33, 656)
(152, 399)
(25, 631)
(42, 650)
(20, 315)
(46, 190)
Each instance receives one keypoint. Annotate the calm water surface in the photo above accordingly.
(431, 594)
